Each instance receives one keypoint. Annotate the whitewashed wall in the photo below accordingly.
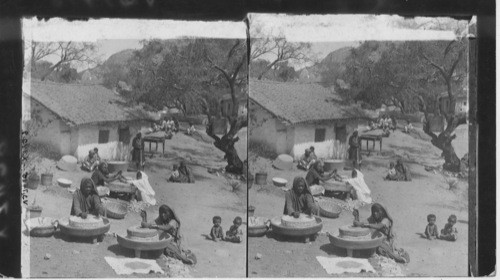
(88, 137)
(262, 126)
(304, 138)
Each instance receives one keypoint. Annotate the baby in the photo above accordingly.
(431, 230)
(235, 234)
(217, 233)
(449, 232)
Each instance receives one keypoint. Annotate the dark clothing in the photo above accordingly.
(403, 172)
(431, 231)
(312, 177)
(185, 175)
(98, 177)
(354, 148)
(234, 234)
(303, 203)
(138, 147)
(90, 204)
(217, 232)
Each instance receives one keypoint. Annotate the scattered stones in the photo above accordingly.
(75, 252)
(258, 256)
(47, 256)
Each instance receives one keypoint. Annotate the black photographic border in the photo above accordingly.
(482, 224)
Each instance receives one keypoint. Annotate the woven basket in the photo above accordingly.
(329, 209)
(115, 209)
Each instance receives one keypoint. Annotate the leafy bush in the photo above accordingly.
(261, 149)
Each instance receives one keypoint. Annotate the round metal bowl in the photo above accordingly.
(355, 244)
(144, 245)
(329, 210)
(257, 231)
(41, 226)
(279, 182)
(279, 229)
(64, 183)
(258, 227)
(66, 229)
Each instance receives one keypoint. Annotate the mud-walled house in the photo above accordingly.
(74, 118)
(290, 117)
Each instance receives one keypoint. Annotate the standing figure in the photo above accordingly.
(354, 146)
(138, 151)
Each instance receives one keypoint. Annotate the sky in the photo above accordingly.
(325, 33)
(114, 35)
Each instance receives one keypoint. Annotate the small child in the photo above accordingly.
(449, 232)
(392, 169)
(191, 129)
(431, 230)
(175, 173)
(235, 234)
(217, 233)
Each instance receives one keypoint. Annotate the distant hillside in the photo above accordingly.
(333, 62)
(119, 58)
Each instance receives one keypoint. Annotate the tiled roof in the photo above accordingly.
(80, 104)
(301, 102)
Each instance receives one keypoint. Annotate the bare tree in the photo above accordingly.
(275, 49)
(67, 52)
(228, 58)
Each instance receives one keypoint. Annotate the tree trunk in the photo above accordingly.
(444, 139)
(226, 144)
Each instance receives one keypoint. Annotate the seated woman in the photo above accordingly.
(315, 174)
(86, 201)
(185, 174)
(168, 222)
(402, 170)
(382, 223)
(304, 160)
(101, 175)
(90, 162)
(299, 199)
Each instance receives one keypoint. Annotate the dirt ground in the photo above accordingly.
(195, 204)
(409, 203)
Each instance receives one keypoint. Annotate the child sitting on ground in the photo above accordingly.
(392, 171)
(191, 129)
(431, 230)
(235, 234)
(449, 232)
(217, 233)
(175, 174)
